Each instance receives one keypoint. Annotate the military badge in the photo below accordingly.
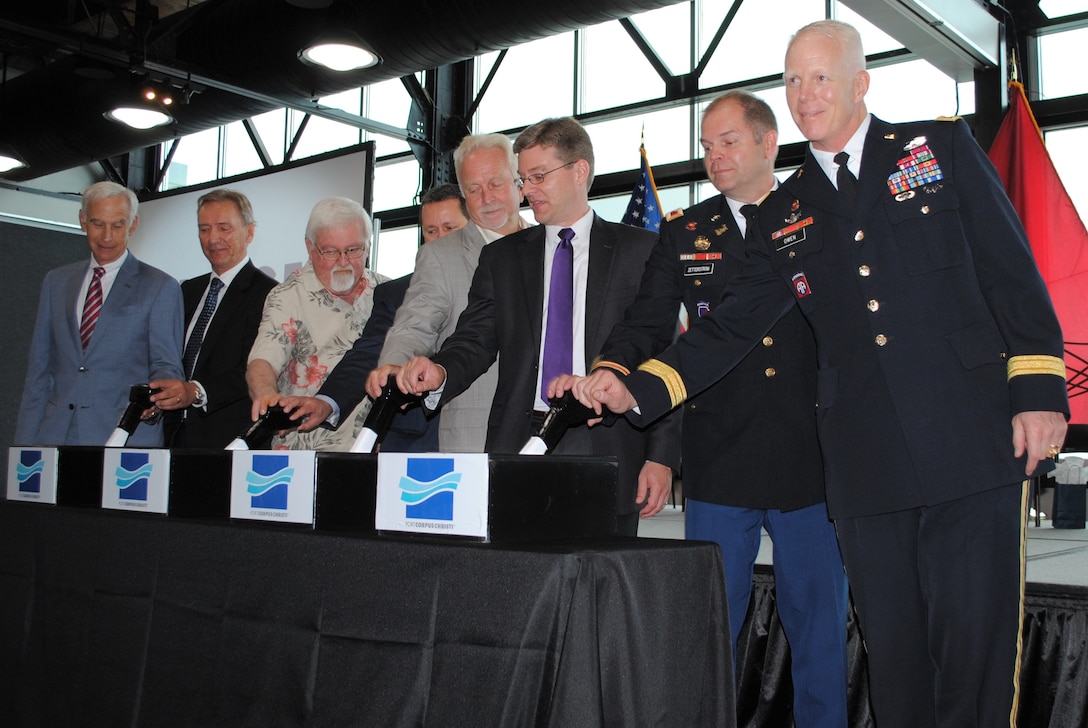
(674, 214)
(702, 243)
(692, 225)
(702, 308)
(919, 169)
(791, 234)
(721, 231)
(800, 285)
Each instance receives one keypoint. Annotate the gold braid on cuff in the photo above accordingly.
(669, 377)
(1020, 365)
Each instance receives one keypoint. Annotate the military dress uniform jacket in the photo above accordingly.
(504, 318)
(933, 325)
(749, 440)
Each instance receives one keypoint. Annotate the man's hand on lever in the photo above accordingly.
(600, 388)
(377, 379)
(420, 375)
(308, 412)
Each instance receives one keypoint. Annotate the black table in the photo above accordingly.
(117, 619)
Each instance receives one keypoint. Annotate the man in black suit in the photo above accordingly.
(572, 262)
(750, 452)
(222, 311)
(941, 383)
(442, 211)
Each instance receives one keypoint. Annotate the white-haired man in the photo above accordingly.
(313, 317)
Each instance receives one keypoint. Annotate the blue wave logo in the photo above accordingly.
(132, 475)
(28, 471)
(267, 482)
(428, 488)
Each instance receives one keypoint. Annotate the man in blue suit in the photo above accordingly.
(101, 328)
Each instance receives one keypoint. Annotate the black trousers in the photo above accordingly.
(939, 596)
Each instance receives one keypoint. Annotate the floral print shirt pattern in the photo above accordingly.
(304, 332)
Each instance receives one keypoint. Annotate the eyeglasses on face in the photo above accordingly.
(538, 177)
(332, 254)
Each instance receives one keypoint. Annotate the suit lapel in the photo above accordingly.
(730, 241)
(72, 304)
(883, 149)
(192, 293)
(225, 311)
(531, 267)
(602, 250)
(472, 243)
(812, 186)
(121, 292)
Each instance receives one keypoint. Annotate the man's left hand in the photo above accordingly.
(1040, 434)
(173, 394)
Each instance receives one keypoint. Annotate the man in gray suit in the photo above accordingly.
(101, 328)
(486, 170)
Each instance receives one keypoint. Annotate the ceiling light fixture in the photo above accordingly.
(150, 111)
(139, 117)
(339, 51)
(10, 159)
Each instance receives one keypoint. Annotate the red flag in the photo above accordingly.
(1056, 233)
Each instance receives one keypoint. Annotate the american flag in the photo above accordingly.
(644, 209)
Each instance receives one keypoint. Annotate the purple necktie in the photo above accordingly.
(559, 334)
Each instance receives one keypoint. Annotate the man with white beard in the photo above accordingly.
(311, 319)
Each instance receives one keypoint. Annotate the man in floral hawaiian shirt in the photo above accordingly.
(311, 319)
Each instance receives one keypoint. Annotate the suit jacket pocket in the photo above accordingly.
(978, 345)
(927, 228)
(827, 388)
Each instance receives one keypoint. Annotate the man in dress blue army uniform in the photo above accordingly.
(749, 449)
(940, 385)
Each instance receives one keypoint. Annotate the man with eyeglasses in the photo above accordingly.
(311, 319)
(438, 293)
(442, 212)
(543, 301)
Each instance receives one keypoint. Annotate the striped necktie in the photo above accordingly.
(192, 347)
(92, 306)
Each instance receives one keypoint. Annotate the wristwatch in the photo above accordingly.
(198, 400)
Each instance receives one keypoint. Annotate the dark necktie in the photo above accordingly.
(559, 334)
(92, 305)
(846, 181)
(751, 228)
(192, 347)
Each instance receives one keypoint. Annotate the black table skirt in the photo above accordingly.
(1053, 668)
(118, 620)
